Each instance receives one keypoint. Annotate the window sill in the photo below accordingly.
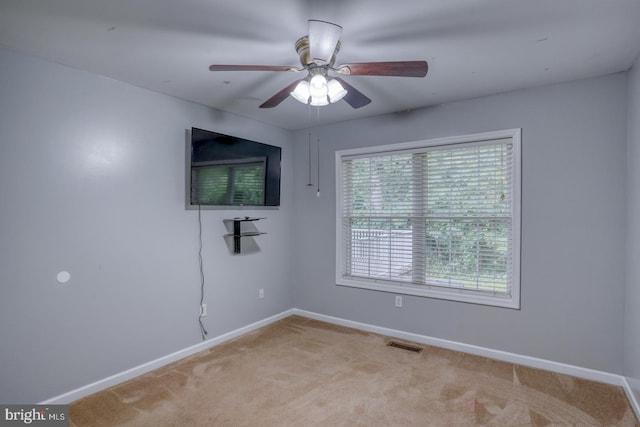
(449, 294)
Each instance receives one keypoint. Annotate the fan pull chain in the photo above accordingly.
(309, 184)
(318, 149)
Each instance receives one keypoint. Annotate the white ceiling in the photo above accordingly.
(473, 47)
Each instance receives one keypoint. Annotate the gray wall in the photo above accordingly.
(573, 236)
(92, 181)
(632, 309)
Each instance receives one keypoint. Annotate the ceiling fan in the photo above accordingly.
(317, 52)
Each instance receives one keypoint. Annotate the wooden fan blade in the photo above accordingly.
(392, 68)
(217, 67)
(276, 99)
(354, 97)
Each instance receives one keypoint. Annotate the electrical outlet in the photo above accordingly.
(398, 300)
(261, 293)
(203, 310)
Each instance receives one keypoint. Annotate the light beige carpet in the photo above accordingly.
(301, 372)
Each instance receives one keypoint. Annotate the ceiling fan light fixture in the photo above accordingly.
(335, 90)
(318, 86)
(319, 101)
(323, 39)
(301, 92)
(318, 92)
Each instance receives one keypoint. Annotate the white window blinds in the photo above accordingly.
(438, 217)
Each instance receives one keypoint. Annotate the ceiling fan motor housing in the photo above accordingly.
(302, 47)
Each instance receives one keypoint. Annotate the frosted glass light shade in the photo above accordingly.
(335, 91)
(301, 92)
(319, 101)
(318, 86)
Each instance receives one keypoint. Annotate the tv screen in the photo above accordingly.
(230, 171)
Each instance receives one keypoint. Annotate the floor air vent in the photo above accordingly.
(408, 347)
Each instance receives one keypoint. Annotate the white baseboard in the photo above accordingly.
(562, 368)
(633, 399)
(576, 371)
(105, 383)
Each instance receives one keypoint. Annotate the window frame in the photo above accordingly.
(429, 291)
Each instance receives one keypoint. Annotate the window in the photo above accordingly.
(438, 218)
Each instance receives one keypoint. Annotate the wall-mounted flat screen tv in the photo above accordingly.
(230, 171)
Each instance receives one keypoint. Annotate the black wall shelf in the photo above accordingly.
(239, 232)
